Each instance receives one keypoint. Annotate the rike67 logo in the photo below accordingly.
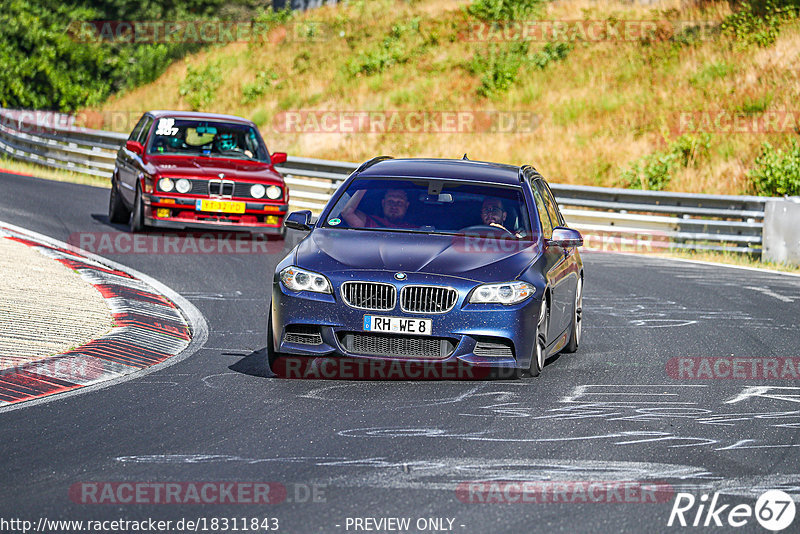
(774, 510)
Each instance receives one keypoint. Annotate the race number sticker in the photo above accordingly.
(166, 127)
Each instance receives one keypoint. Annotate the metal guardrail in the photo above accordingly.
(691, 221)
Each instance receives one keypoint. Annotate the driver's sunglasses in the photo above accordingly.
(487, 211)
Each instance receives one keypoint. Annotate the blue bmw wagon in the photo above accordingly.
(432, 260)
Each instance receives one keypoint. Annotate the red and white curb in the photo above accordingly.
(153, 327)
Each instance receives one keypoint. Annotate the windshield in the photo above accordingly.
(431, 206)
(207, 138)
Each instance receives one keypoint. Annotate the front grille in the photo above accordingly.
(493, 350)
(203, 187)
(416, 347)
(303, 334)
(369, 295)
(428, 299)
(220, 188)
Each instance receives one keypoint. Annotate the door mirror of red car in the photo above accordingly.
(278, 157)
(565, 237)
(299, 220)
(134, 146)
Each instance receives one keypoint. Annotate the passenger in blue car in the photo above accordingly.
(395, 205)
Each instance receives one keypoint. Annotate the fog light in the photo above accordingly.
(162, 212)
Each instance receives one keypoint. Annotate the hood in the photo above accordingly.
(200, 167)
(479, 259)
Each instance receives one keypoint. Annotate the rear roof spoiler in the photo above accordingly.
(367, 164)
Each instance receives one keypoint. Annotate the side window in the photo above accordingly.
(548, 201)
(137, 129)
(544, 218)
(142, 137)
(561, 221)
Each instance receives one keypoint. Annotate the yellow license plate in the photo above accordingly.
(220, 206)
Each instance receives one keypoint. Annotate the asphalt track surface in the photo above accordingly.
(399, 449)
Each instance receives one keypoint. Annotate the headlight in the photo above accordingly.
(298, 279)
(257, 191)
(273, 192)
(166, 185)
(505, 293)
(183, 185)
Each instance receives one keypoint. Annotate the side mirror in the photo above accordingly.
(278, 157)
(565, 237)
(134, 146)
(299, 220)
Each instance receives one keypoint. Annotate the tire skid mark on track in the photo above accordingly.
(446, 473)
(148, 329)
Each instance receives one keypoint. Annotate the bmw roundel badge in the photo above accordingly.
(400, 276)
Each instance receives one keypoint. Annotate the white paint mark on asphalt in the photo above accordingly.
(765, 392)
(768, 292)
(580, 394)
(662, 323)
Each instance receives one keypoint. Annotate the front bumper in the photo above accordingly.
(180, 213)
(463, 328)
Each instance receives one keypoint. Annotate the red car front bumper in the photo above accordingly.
(164, 211)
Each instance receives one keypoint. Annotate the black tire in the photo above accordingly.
(577, 320)
(272, 355)
(117, 212)
(538, 357)
(136, 222)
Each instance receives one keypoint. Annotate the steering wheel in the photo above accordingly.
(485, 227)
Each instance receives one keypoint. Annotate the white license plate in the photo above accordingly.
(397, 325)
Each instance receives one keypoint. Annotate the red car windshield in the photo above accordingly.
(207, 138)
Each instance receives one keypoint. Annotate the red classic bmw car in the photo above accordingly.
(186, 170)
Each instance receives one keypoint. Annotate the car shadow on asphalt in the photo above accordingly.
(254, 364)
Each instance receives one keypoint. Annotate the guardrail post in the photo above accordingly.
(781, 237)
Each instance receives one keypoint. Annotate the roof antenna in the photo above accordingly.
(465, 157)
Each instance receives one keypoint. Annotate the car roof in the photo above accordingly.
(453, 169)
(159, 113)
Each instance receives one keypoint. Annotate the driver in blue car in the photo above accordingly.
(494, 214)
(394, 204)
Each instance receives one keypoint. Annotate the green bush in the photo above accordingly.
(654, 171)
(504, 10)
(550, 53)
(253, 91)
(777, 172)
(759, 24)
(199, 88)
(48, 60)
(499, 67)
(394, 49)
